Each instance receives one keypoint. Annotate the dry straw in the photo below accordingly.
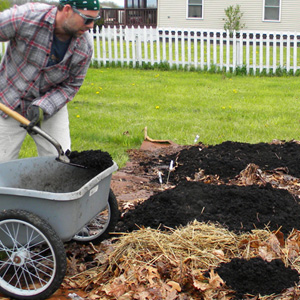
(205, 245)
(197, 246)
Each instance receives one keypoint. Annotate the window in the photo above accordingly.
(141, 3)
(133, 4)
(195, 9)
(272, 10)
(151, 4)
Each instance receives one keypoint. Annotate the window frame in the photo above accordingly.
(264, 13)
(194, 18)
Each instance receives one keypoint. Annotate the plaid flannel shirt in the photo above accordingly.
(24, 75)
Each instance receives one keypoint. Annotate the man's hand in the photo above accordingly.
(35, 115)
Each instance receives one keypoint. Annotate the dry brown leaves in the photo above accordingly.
(278, 178)
(153, 264)
(252, 174)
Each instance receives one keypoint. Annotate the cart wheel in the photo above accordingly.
(32, 256)
(98, 229)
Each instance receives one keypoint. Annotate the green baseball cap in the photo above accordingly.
(82, 4)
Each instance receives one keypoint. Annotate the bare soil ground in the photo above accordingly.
(238, 185)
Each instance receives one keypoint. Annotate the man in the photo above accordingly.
(46, 61)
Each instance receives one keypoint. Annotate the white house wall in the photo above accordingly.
(173, 13)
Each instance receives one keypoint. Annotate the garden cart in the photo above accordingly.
(44, 203)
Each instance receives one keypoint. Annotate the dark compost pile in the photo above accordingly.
(91, 159)
(256, 276)
(238, 208)
(229, 158)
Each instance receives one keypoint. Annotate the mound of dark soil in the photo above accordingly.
(239, 208)
(91, 159)
(228, 159)
(256, 276)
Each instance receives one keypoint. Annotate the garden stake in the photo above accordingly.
(160, 178)
(170, 169)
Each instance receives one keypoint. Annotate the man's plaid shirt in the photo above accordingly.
(24, 75)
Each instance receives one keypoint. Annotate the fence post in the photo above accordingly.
(115, 45)
(134, 50)
(241, 52)
(274, 53)
(122, 46)
(182, 48)
(221, 49)
(151, 41)
(104, 45)
(208, 50)
(234, 51)
(227, 51)
(288, 52)
(176, 49)
(268, 52)
(281, 51)
(158, 45)
(170, 48)
(247, 53)
(214, 47)
(261, 52)
(295, 53)
(145, 40)
(254, 53)
(127, 41)
(109, 37)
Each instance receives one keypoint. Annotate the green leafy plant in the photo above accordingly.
(233, 18)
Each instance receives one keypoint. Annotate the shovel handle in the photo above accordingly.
(14, 115)
(61, 155)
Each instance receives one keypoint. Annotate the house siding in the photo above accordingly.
(173, 14)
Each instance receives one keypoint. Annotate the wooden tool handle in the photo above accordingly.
(14, 114)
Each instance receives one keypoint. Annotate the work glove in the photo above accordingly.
(35, 115)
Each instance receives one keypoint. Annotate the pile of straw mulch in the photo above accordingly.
(154, 264)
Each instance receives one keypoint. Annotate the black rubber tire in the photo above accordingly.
(37, 259)
(109, 226)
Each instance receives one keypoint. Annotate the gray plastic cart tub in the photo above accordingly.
(65, 196)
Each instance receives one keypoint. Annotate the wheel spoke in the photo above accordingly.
(100, 227)
(28, 260)
(42, 268)
(7, 231)
(30, 275)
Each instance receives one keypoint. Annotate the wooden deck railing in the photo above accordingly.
(130, 17)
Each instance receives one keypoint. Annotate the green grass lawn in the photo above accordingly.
(114, 106)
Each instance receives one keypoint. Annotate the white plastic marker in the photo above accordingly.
(170, 169)
(159, 177)
(196, 138)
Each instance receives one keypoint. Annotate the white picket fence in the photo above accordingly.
(201, 49)
(198, 49)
